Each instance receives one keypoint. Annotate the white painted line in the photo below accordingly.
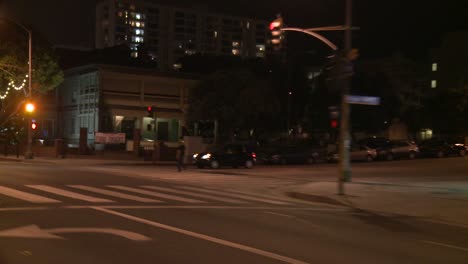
(115, 194)
(246, 197)
(69, 194)
(160, 195)
(175, 207)
(256, 251)
(443, 245)
(116, 232)
(25, 196)
(284, 215)
(445, 223)
(34, 231)
(207, 196)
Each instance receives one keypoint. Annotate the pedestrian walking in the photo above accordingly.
(180, 153)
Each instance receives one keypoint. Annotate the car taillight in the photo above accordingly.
(254, 155)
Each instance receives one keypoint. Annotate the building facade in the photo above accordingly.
(114, 99)
(166, 34)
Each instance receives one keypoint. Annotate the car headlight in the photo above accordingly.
(195, 155)
(206, 156)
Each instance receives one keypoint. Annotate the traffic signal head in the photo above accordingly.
(277, 35)
(334, 123)
(33, 125)
(151, 109)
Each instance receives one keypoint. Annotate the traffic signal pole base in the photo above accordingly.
(28, 155)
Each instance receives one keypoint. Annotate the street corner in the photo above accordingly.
(10, 159)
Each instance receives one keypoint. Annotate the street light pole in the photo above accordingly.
(28, 153)
(345, 139)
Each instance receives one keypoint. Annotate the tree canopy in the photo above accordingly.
(46, 73)
(237, 99)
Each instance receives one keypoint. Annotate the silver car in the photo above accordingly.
(402, 149)
(356, 153)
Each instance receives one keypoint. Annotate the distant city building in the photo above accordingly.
(449, 66)
(166, 33)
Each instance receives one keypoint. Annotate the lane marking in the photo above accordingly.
(69, 194)
(34, 231)
(207, 196)
(26, 196)
(160, 195)
(247, 197)
(284, 215)
(445, 223)
(204, 237)
(116, 232)
(115, 194)
(443, 245)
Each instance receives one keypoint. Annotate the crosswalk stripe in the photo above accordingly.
(26, 196)
(115, 194)
(161, 195)
(216, 198)
(69, 194)
(242, 196)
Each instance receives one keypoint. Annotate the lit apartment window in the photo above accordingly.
(216, 34)
(137, 39)
(138, 16)
(248, 25)
(134, 54)
(434, 84)
(235, 52)
(139, 32)
(235, 44)
(434, 67)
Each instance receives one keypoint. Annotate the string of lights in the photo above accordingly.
(11, 85)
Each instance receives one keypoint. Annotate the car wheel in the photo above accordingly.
(310, 160)
(249, 164)
(390, 156)
(369, 158)
(440, 154)
(462, 153)
(412, 155)
(214, 164)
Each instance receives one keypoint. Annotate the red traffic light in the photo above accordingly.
(275, 24)
(33, 126)
(150, 109)
(334, 123)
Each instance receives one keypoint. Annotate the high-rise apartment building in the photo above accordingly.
(167, 33)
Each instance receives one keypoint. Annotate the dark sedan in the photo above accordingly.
(441, 148)
(293, 155)
(231, 155)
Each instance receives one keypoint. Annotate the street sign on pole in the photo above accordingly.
(363, 100)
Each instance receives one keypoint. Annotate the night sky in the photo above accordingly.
(411, 26)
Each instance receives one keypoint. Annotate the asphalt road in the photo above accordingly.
(115, 214)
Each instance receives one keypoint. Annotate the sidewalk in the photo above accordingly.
(435, 201)
(85, 160)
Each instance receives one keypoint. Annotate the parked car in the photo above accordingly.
(383, 147)
(357, 153)
(293, 155)
(235, 155)
(402, 149)
(441, 148)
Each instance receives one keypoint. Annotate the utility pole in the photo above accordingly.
(345, 139)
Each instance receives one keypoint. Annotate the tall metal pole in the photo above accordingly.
(345, 166)
(28, 153)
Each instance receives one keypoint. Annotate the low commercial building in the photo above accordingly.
(115, 99)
